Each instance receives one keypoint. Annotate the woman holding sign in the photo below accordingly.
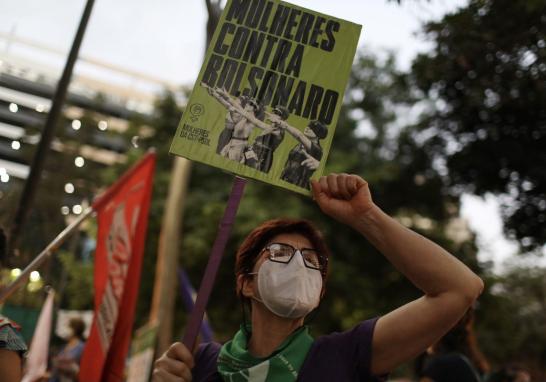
(281, 270)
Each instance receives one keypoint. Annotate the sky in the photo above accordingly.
(165, 40)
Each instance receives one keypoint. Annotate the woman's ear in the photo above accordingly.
(245, 285)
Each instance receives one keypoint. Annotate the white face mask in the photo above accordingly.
(289, 290)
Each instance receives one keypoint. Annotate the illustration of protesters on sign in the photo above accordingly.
(269, 65)
(232, 116)
(305, 157)
(265, 144)
(233, 140)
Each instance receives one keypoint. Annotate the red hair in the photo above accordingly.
(251, 247)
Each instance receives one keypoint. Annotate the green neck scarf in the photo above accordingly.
(236, 364)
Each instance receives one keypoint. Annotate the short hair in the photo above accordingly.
(319, 128)
(257, 106)
(281, 111)
(251, 247)
(78, 327)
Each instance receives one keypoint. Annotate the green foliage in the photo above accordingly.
(78, 278)
(511, 324)
(28, 295)
(487, 78)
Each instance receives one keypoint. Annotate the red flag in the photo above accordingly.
(122, 214)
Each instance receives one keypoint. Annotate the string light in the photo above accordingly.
(77, 209)
(103, 125)
(65, 210)
(13, 107)
(34, 276)
(76, 124)
(69, 188)
(16, 145)
(15, 272)
(79, 162)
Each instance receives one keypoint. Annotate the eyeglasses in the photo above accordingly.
(283, 253)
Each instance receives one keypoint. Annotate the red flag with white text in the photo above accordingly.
(122, 216)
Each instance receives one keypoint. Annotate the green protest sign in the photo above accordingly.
(267, 99)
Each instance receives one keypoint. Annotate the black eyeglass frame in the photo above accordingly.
(323, 260)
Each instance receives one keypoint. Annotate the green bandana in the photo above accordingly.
(236, 364)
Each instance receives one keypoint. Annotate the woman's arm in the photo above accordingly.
(227, 101)
(255, 121)
(220, 95)
(10, 366)
(306, 142)
(449, 286)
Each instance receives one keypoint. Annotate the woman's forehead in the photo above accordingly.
(296, 240)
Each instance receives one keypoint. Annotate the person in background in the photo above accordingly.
(12, 351)
(510, 373)
(281, 270)
(66, 364)
(456, 357)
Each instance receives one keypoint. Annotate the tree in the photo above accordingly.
(486, 77)
(511, 327)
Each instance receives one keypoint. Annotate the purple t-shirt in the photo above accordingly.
(344, 356)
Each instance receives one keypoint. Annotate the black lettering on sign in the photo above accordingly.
(313, 102)
(331, 27)
(296, 103)
(238, 10)
(211, 72)
(220, 47)
(328, 106)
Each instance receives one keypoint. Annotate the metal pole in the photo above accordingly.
(29, 190)
(51, 247)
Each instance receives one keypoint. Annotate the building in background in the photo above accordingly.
(101, 102)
